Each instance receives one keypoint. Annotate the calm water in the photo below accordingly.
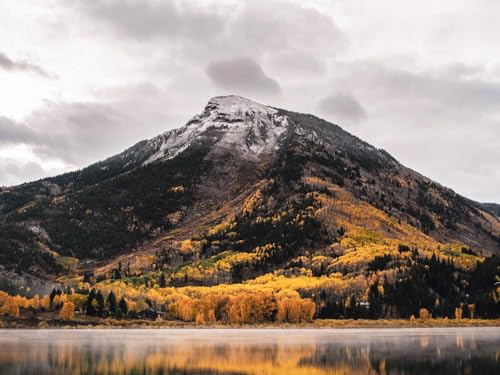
(311, 352)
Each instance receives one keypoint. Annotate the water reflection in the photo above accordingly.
(311, 352)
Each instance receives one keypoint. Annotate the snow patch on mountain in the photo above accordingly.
(238, 123)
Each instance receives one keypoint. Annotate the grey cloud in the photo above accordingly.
(462, 70)
(345, 107)
(150, 91)
(155, 19)
(425, 98)
(7, 63)
(12, 132)
(12, 172)
(291, 37)
(242, 75)
(298, 65)
(74, 132)
(80, 133)
(277, 27)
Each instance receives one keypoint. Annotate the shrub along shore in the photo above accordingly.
(43, 322)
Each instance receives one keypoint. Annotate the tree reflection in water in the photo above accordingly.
(311, 352)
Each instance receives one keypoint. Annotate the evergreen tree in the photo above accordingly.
(162, 282)
(87, 277)
(52, 295)
(122, 307)
(89, 305)
(375, 301)
(353, 306)
(111, 301)
(116, 274)
(99, 298)
(341, 311)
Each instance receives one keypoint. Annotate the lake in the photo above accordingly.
(435, 351)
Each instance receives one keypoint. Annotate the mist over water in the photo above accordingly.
(255, 351)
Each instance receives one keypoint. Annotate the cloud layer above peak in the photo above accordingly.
(242, 75)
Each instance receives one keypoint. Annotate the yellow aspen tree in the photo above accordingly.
(67, 311)
(3, 297)
(35, 302)
(45, 302)
(308, 310)
(186, 246)
(200, 318)
(10, 308)
(472, 310)
(59, 300)
(458, 313)
(424, 314)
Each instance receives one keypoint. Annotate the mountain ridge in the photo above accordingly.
(190, 179)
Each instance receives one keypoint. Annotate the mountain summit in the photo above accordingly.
(266, 189)
(234, 122)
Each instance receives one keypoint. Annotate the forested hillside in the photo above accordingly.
(247, 214)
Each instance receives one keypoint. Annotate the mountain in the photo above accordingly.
(244, 190)
(494, 208)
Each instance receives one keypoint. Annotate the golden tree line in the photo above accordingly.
(12, 305)
(248, 308)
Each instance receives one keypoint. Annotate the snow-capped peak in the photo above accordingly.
(237, 105)
(240, 124)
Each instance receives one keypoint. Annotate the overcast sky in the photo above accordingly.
(81, 80)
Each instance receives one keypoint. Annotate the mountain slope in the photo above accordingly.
(494, 208)
(239, 177)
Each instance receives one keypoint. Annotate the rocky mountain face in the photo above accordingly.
(239, 178)
(494, 208)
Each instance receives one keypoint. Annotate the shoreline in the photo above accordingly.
(13, 323)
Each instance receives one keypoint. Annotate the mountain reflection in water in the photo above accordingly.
(274, 351)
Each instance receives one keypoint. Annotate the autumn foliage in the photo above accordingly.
(10, 307)
(243, 308)
(320, 253)
(295, 310)
(67, 311)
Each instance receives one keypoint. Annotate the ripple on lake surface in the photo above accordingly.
(271, 351)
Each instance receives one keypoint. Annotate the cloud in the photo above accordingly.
(72, 132)
(80, 133)
(195, 32)
(298, 65)
(12, 132)
(143, 20)
(242, 75)
(12, 172)
(273, 29)
(344, 107)
(461, 70)
(425, 93)
(8, 64)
